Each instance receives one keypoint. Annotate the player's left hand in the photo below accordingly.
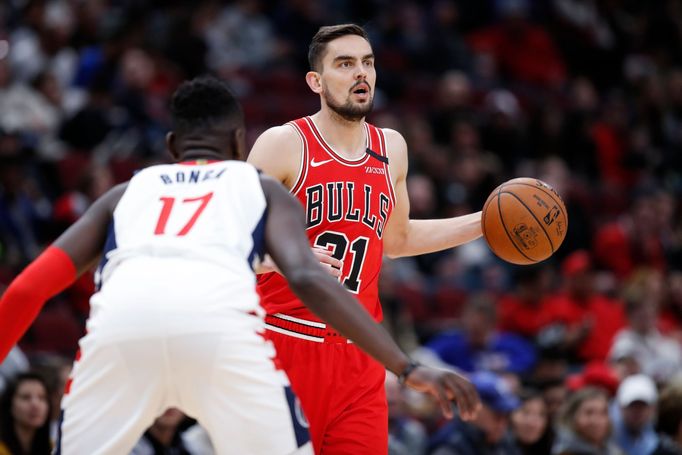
(332, 265)
(446, 386)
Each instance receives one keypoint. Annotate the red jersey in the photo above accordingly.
(347, 205)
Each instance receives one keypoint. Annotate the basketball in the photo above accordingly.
(524, 221)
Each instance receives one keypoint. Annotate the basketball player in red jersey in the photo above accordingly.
(350, 177)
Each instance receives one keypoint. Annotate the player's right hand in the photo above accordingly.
(446, 386)
(329, 263)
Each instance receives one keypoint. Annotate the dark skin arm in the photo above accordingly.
(287, 244)
(84, 240)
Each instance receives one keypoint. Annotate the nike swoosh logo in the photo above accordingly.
(314, 163)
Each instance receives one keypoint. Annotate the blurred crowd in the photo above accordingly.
(579, 354)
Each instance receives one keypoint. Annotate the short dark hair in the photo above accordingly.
(328, 33)
(201, 103)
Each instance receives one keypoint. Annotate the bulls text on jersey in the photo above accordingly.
(334, 201)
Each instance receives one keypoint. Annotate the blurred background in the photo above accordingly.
(583, 94)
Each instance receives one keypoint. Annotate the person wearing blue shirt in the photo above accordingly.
(478, 346)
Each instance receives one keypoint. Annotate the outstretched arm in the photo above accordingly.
(286, 242)
(406, 237)
(54, 270)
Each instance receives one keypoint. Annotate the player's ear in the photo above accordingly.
(313, 80)
(239, 144)
(172, 145)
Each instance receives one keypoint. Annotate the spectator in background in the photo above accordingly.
(633, 415)
(521, 311)
(452, 103)
(56, 371)
(657, 355)
(634, 239)
(24, 417)
(669, 420)
(163, 437)
(406, 435)
(489, 433)
(585, 426)
(588, 320)
(597, 375)
(24, 209)
(530, 424)
(555, 393)
(523, 50)
(477, 346)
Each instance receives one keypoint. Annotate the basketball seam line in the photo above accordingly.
(504, 225)
(536, 219)
(548, 194)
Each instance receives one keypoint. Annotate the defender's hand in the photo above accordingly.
(446, 386)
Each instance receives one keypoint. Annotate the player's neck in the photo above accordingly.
(344, 136)
(201, 154)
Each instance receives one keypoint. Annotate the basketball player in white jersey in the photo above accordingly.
(176, 319)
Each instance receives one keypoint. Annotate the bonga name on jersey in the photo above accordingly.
(335, 201)
(192, 176)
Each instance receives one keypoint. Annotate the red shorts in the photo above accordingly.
(341, 390)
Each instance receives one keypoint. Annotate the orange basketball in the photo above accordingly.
(524, 221)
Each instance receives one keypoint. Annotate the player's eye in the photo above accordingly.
(346, 64)
(369, 63)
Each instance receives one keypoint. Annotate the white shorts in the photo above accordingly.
(227, 381)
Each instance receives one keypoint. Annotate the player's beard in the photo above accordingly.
(349, 111)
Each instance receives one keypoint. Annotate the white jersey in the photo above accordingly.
(177, 322)
(184, 238)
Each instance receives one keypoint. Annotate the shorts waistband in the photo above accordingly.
(318, 332)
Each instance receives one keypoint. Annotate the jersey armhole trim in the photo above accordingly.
(303, 166)
(384, 152)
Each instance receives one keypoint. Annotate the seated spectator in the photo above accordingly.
(489, 433)
(597, 375)
(56, 370)
(587, 319)
(585, 426)
(522, 49)
(406, 435)
(633, 416)
(657, 355)
(554, 393)
(633, 240)
(521, 311)
(477, 346)
(530, 424)
(163, 437)
(669, 420)
(24, 417)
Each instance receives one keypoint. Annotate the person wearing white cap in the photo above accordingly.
(633, 419)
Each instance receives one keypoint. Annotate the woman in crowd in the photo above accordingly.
(585, 427)
(530, 424)
(24, 412)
